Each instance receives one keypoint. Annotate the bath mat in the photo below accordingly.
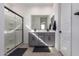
(41, 49)
(18, 52)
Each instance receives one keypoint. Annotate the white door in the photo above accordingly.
(65, 35)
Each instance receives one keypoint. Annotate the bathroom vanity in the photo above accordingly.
(42, 38)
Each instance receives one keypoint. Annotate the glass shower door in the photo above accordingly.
(9, 30)
(13, 30)
(18, 31)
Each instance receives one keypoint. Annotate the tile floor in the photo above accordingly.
(29, 52)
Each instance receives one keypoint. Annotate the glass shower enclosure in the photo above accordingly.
(13, 29)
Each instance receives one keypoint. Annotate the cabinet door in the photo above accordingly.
(50, 40)
(33, 41)
(41, 39)
(47, 40)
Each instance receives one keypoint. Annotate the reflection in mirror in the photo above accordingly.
(43, 26)
(39, 22)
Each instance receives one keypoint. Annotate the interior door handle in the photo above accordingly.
(60, 31)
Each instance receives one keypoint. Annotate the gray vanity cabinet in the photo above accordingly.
(42, 39)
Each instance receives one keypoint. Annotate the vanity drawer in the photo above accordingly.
(41, 34)
(51, 34)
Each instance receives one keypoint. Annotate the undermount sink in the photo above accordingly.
(44, 31)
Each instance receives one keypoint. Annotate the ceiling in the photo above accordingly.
(30, 4)
(21, 8)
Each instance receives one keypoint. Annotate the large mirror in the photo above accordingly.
(42, 22)
(39, 22)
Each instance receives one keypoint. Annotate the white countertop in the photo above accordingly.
(43, 31)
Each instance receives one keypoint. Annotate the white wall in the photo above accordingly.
(75, 30)
(1, 29)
